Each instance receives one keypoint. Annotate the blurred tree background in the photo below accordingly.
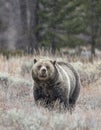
(54, 24)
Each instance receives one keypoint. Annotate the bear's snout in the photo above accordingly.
(43, 70)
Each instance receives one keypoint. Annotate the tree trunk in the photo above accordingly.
(53, 44)
(24, 24)
(93, 30)
(33, 19)
(93, 43)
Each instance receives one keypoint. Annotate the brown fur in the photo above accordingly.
(60, 82)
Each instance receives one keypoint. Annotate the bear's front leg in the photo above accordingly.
(37, 92)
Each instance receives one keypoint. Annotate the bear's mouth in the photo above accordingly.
(43, 76)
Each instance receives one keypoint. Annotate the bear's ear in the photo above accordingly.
(35, 61)
(53, 62)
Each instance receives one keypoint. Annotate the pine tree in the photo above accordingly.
(60, 20)
(92, 20)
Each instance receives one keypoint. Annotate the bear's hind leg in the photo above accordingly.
(73, 98)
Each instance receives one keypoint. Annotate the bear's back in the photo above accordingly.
(68, 73)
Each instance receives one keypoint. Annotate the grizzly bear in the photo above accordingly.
(55, 81)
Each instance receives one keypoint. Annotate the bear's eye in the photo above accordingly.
(39, 66)
(47, 66)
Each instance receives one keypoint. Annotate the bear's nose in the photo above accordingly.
(43, 70)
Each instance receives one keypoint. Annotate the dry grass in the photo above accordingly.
(19, 112)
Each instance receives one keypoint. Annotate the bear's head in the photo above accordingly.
(43, 69)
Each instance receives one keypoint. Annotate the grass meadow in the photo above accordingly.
(17, 107)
